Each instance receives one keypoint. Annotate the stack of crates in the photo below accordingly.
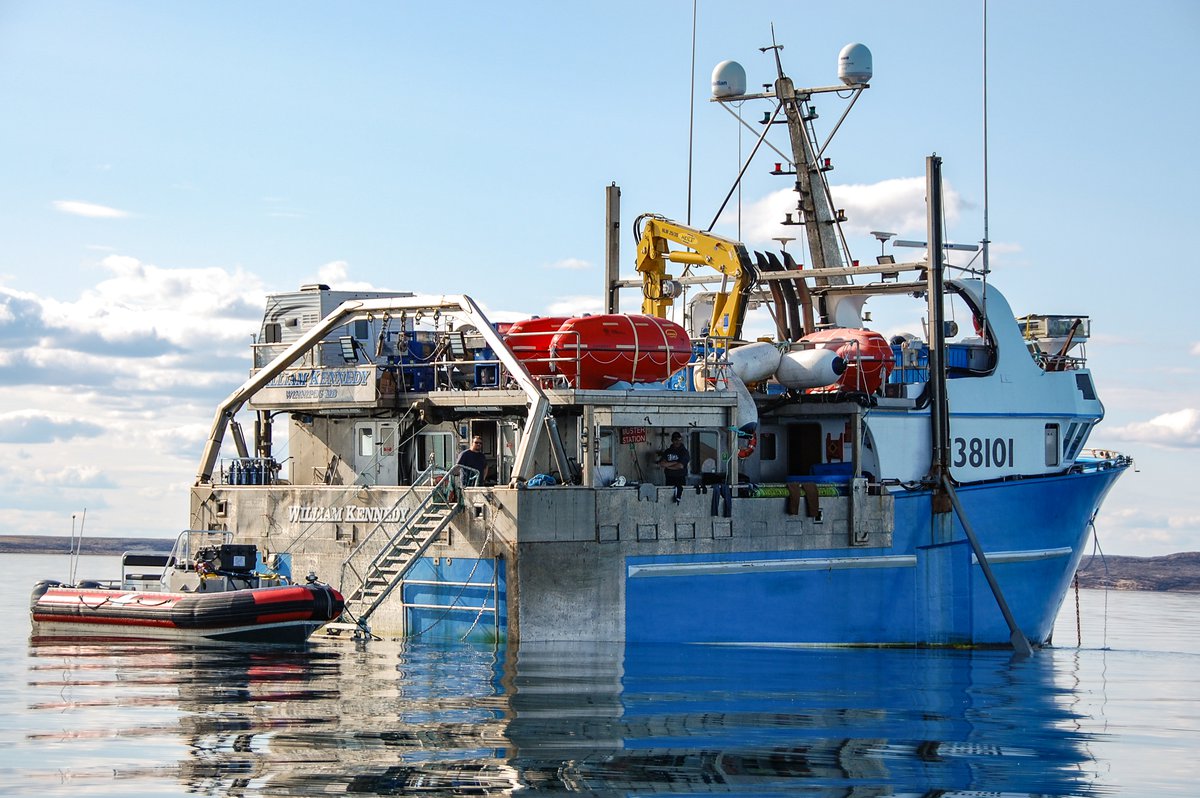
(912, 364)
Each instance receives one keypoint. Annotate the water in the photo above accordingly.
(1121, 715)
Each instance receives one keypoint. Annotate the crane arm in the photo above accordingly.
(724, 255)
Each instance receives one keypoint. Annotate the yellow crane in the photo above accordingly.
(706, 249)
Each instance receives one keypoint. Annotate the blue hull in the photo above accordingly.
(459, 599)
(914, 593)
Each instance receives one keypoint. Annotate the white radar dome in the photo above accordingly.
(854, 64)
(729, 79)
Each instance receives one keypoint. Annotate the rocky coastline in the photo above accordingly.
(1174, 572)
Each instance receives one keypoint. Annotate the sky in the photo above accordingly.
(167, 165)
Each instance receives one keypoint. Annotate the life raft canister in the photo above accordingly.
(596, 352)
(869, 359)
(530, 339)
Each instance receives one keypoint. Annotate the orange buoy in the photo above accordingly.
(748, 449)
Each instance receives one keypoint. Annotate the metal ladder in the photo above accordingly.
(396, 556)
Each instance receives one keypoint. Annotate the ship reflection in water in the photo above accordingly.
(396, 718)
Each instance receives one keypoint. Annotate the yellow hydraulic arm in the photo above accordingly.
(722, 254)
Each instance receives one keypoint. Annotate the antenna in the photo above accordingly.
(691, 113)
(776, 48)
(883, 238)
(985, 243)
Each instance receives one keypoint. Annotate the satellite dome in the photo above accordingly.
(854, 64)
(728, 79)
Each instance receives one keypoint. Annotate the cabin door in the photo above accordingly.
(375, 457)
(438, 449)
(804, 448)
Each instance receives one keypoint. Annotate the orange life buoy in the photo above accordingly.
(748, 449)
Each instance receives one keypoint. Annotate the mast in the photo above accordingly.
(816, 210)
(814, 205)
(944, 498)
(939, 412)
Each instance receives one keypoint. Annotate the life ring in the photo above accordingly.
(748, 449)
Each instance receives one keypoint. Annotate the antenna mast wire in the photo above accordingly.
(691, 113)
(986, 237)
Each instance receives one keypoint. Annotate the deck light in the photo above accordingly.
(349, 349)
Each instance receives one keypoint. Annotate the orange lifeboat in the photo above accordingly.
(868, 358)
(599, 351)
(530, 339)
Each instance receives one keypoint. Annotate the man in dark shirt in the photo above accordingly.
(475, 459)
(674, 462)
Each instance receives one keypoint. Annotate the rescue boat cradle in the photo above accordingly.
(205, 602)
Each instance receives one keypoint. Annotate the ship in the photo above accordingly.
(843, 485)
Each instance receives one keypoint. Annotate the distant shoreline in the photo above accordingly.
(1172, 573)
(61, 544)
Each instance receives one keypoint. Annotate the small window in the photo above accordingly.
(766, 446)
(604, 447)
(705, 452)
(1084, 383)
(272, 333)
(362, 329)
(1070, 436)
(366, 442)
(1075, 440)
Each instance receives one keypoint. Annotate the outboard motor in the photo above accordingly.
(40, 589)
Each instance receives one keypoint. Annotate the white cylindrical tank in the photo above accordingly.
(854, 64)
(728, 79)
(810, 368)
(754, 362)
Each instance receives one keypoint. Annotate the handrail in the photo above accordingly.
(556, 372)
(434, 477)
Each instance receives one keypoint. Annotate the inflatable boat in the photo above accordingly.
(217, 595)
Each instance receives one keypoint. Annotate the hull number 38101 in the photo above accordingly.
(983, 452)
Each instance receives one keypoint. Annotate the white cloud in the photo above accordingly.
(89, 209)
(1143, 531)
(143, 331)
(575, 306)
(1005, 255)
(35, 426)
(573, 264)
(1186, 522)
(1180, 429)
(186, 307)
(503, 316)
(73, 476)
(336, 275)
(1196, 349)
(896, 205)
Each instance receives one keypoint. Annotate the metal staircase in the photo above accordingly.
(366, 586)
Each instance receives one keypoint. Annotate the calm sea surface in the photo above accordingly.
(1118, 716)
